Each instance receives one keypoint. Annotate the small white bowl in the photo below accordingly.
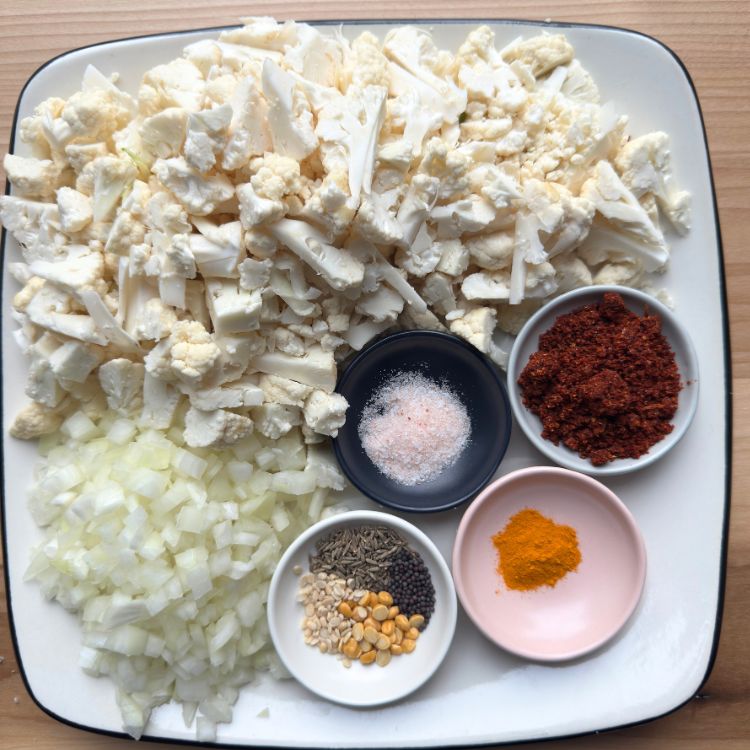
(527, 342)
(359, 686)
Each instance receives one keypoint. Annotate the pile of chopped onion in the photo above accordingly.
(166, 555)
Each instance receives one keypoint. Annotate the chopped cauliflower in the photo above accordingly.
(277, 197)
(200, 194)
(32, 178)
(122, 383)
(204, 429)
(541, 53)
(35, 420)
(75, 209)
(188, 354)
(325, 412)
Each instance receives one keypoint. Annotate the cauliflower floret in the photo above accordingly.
(383, 305)
(338, 268)
(33, 130)
(486, 77)
(438, 292)
(366, 65)
(95, 114)
(164, 215)
(617, 204)
(75, 209)
(176, 84)
(42, 386)
(153, 321)
(287, 341)
(189, 354)
(625, 273)
(255, 209)
(128, 228)
(449, 166)
(22, 299)
(415, 208)
(579, 86)
(423, 255)
(35, 420)
(34, 225)
(289, 117)
(74, 274)
(487, 285)
(414, 51)
(540, 281)
(32, 178)
(376, 222)
(232, 308)
(122, 383)
(413, 117)
(248, 133)
(200, 194)
(50, 309)
(280, 390)
(454, 257)
(238, 394)
(204, 429)
(275, 176)
(254, 274)
(164, 133)
(570, 273)
(349, 128)
(206, 136)
(217, 249)
(331, 205)
(275, 420)
(645, 167)
(472, 214)
(111, 176)
(74, 362)
(81, 154)
(325, 412)
(477, 327)
(498, 187)
(316, 367)
(541, 53)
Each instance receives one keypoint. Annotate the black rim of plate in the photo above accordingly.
(727, 362)
(483, 362)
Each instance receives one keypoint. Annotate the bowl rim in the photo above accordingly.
(567, 458)
(481, 360)
(436, 561)
(614, 502)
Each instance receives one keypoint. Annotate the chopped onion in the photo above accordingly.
(166, 555)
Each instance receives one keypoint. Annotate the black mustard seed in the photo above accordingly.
(410, 584)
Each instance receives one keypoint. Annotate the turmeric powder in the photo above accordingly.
(535, 551)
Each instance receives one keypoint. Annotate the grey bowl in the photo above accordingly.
(527, 342)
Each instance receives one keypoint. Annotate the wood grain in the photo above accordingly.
(711, 39)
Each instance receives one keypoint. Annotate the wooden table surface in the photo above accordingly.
(711, 37)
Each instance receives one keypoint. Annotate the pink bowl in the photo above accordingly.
(587, 607)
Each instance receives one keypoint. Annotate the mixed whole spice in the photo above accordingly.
(367, 597)
(604, 382)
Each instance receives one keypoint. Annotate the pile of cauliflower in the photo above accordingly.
(274, 199)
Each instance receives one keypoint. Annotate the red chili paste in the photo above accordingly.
(604, 382)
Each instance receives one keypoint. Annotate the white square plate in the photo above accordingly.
(480, 694)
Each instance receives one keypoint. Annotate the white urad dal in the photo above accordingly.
(413, 428)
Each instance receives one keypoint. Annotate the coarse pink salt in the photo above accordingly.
(413, 429)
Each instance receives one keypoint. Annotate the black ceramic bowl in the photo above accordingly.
(470, 375)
